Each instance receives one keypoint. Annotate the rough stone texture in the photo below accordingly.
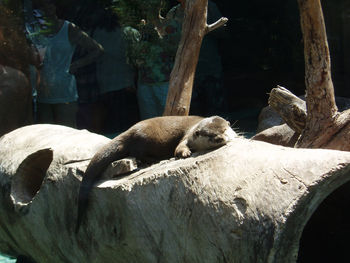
(268, 118)
(279, 135)
(120, 167)
(245, 202)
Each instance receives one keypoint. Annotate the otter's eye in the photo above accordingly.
(196, 133)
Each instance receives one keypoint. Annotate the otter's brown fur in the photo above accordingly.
(153, 140)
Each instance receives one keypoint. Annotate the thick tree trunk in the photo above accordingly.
(324, 127)
(212, 207)
(320, 100)
(194, 29)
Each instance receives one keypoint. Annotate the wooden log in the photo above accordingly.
(322, 111)
(319, 86)
(234, 204)
(291, 108)
(323, 123)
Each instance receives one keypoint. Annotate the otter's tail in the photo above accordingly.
(83, 201)
(93, 173)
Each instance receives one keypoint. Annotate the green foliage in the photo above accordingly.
(130, 12)
(87, 13)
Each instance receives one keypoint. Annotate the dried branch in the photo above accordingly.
(221, 22)
(291, 108)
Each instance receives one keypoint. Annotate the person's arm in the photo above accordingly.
(33, 56)
(94, 49)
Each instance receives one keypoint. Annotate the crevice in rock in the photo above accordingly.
(29, 176)
(326, 235)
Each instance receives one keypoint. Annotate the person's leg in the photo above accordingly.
(45, 113)
(146, 101)
(160, 93)
(66, 113)
(113, 103)
(130, 114)
(152, 99)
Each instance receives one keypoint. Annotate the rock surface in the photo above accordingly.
(268, 118)
(245, 202)
(280, 135)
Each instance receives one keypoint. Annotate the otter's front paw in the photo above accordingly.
(183, 152)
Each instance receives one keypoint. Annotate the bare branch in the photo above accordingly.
(291, 108)
(221, 22)
(182, 76)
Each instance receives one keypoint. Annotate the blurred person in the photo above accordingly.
(154, 56)
(16, 56)
(56, 41)
(157, 48)
(115, 77)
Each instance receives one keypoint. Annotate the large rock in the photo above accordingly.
(245, 202)
(268, 118)
(280, 135)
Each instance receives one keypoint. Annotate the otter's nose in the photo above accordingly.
(230, 135)
(219, 139)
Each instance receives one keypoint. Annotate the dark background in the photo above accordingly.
(263, 48)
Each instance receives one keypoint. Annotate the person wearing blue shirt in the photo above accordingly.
(56, 42)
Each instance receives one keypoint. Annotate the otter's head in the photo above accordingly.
(210, 133)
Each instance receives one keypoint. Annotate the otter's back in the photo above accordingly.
(158, 137)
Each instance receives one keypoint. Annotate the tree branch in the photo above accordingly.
(291, 108)
(221, 22)
(335, 135)
(319, 86)
(182, 76)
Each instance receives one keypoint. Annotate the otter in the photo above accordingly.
(153, 140)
